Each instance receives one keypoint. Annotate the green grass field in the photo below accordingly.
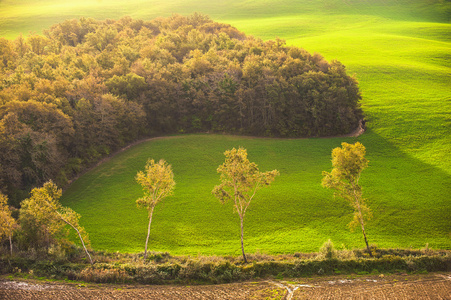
(400, 51)
(409, 199)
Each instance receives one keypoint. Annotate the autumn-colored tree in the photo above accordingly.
(7, 54)
(7, 222)
(240, 180)
(38, 43)
(157, 182)
(348, 162)
(46, 209)
(21, 46)
(39, 135)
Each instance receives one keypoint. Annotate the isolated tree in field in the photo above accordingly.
(348, 163)
(45, 208)
(157, 182)
(240, 180)
(7, 222)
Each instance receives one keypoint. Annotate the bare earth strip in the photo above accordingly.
(431, 286)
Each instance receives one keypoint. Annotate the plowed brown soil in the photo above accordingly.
(430, 286)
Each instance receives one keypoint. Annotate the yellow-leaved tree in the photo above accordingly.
(157, 182)
(348, 162)
(7, 222)
(240, 180)
(45, 208)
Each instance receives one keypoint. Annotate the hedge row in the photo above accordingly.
(201, 270)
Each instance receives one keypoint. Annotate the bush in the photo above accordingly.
(103, 274)
(327, 250)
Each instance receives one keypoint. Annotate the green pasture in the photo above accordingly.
(400, 51)
(409, 199)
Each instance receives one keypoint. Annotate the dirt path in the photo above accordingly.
(430, 286)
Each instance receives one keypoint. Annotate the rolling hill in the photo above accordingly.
(400, 53)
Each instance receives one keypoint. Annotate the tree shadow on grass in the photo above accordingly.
(410, 199)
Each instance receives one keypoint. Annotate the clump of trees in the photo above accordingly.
(87, 87)
(42, 223)
(47, 213)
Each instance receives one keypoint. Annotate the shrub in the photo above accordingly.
(103, 274)
(327, 250)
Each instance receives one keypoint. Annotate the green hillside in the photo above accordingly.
(23, 16)
(400, 53)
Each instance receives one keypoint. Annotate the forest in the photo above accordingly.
(86, 88)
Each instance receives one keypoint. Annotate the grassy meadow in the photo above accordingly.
(294, 214)
(400, 51)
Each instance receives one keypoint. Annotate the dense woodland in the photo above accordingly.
(87, 87)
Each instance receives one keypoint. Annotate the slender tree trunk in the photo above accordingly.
(361, 221)
(242, 239)
(81, 239)
(79, 235)
(148, 232)
(83, 243)
(11, 245)
(366, 241)
(47, 237)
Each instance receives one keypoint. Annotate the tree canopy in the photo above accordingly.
(87, 87)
